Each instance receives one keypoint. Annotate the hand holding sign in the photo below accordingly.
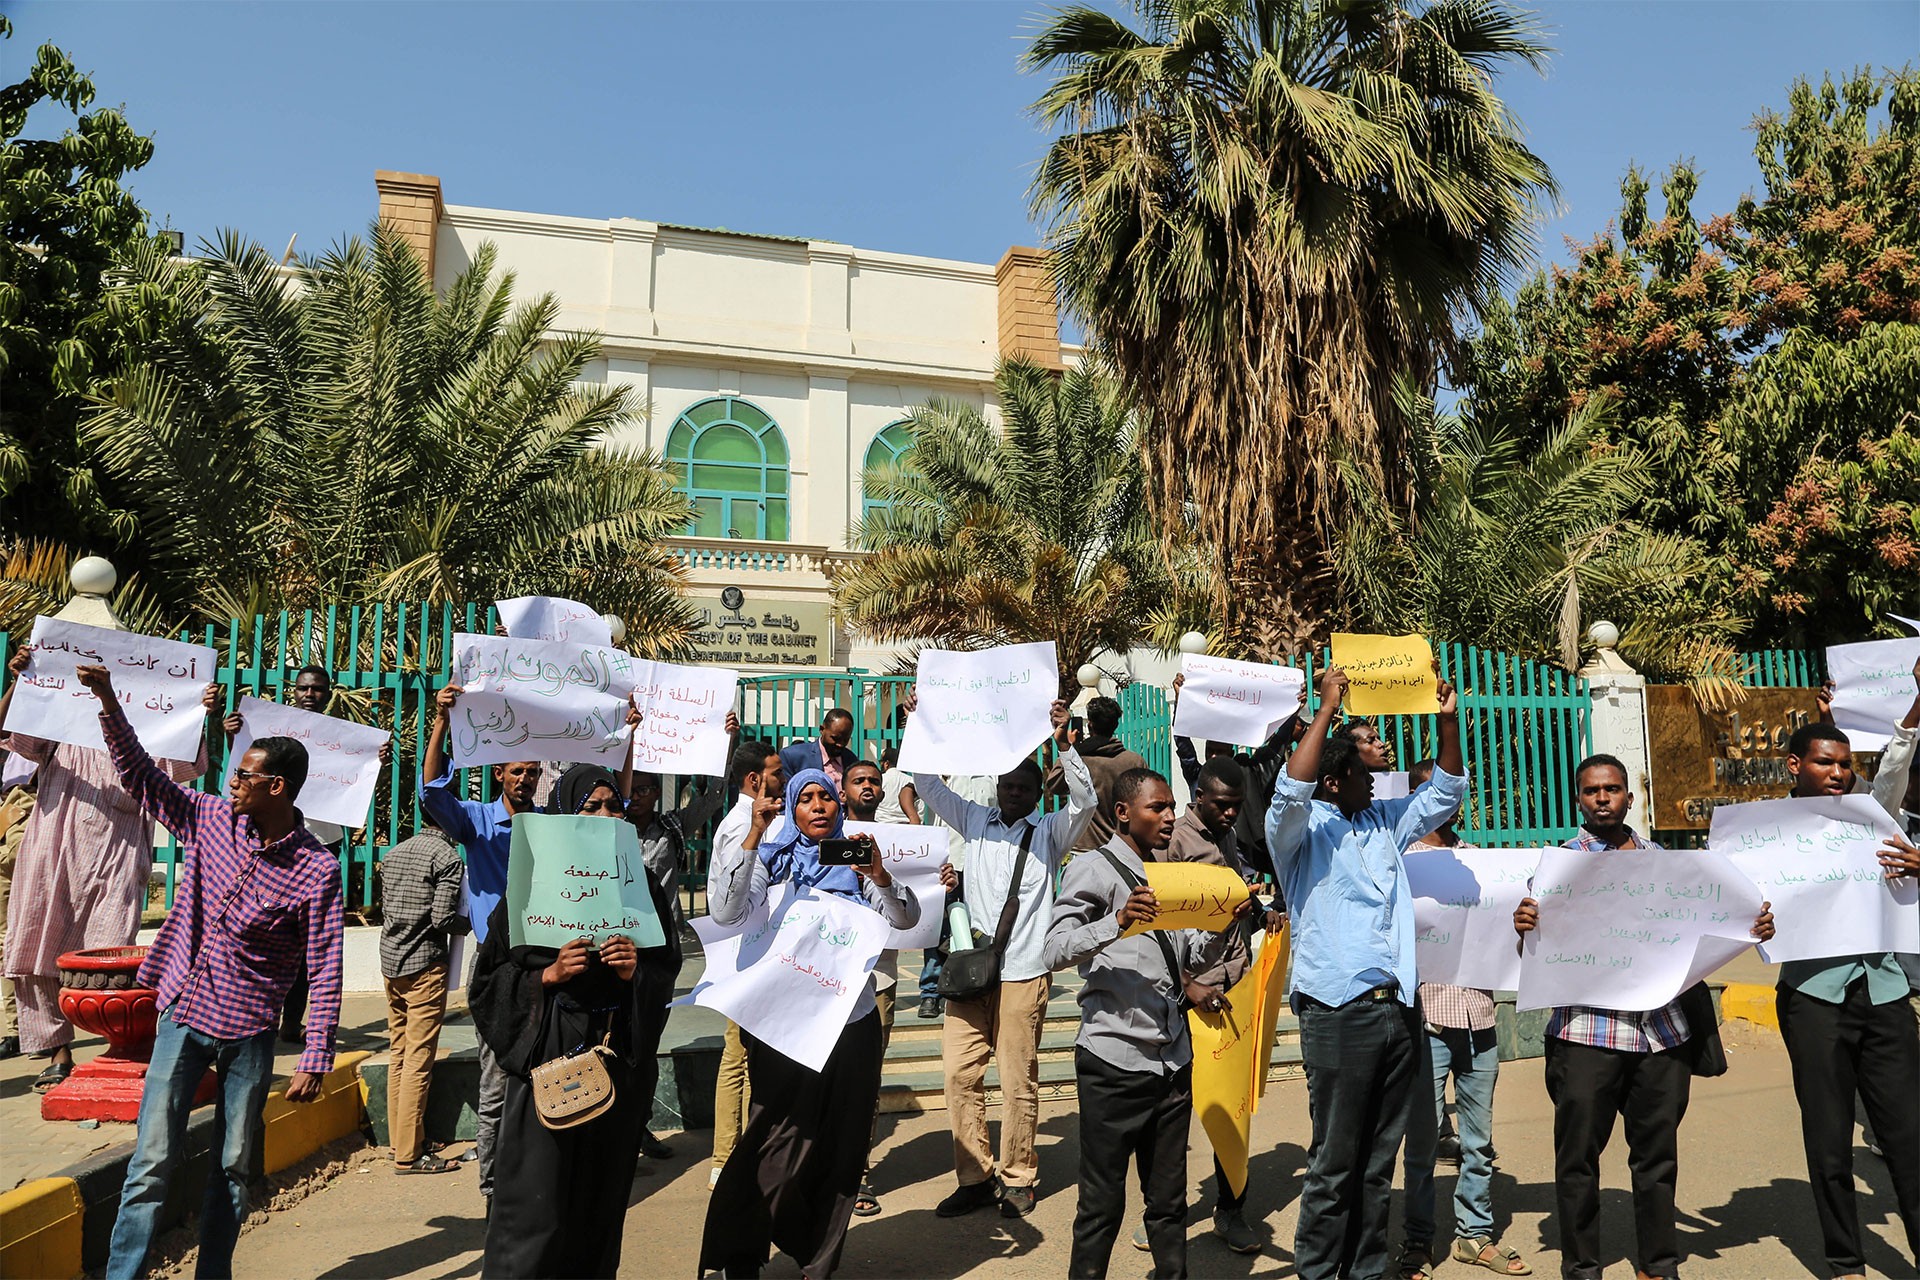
(981, 712)
(577, 876)
(1387, 675)
(1223, 700)
(1873, 686)
(912, 855)
(535, 700)
(1188, 895)
(343, 758)
(553, 618)
(160, 685)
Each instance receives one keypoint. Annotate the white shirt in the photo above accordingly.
(891, 784)
(991, 849)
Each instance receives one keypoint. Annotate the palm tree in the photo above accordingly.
(1034, 532)
(1516, 538)
(346, 436)
(1264, 210)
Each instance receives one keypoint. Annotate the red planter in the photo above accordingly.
(100, 993)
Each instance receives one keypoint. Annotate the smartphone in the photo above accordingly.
(1077, 725)
(843, 853)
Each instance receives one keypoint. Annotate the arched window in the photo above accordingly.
(892, 445)
(732, 461)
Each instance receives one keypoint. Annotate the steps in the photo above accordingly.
(912, 1081)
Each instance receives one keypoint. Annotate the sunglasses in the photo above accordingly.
(250, 775)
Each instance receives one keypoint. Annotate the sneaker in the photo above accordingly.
(1140, 1240)
(1016, 1202)
(930, 1006)
(965, 1199)
(713, 1178)
(1231, 1226)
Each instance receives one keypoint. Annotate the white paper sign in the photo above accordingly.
(343, 758)
(537, 700)
(790, 972)
(1631, 929)
(1872, 688)
(982, 712)
(1225, 700)
(912, 855)
(1463, 901)
(683, 717)
(1392, 784)
(553, 618)
(1912, 622)
(159, 683)
(1817, 861)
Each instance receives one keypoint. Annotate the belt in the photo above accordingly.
(1373, 995)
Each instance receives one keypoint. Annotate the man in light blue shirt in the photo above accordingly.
(1336, 851)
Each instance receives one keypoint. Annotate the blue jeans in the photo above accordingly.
(1472, 1058)
(181, 1057)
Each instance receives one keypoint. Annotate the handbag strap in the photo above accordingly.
(1011, 907)
(1159, 935)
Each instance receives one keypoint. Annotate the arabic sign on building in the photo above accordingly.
(737, 630)
(1705, 759)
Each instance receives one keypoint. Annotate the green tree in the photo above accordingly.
(1264, 211)
(1517, 544)
(1036, 531)
(340, 434)
(64, 220)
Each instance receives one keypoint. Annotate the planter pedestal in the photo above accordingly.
(99, 992)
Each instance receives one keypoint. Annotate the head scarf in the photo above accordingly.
(576, 784)
(796, 857)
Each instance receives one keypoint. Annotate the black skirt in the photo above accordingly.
(795, 1172)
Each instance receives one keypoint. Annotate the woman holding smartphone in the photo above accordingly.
(795, 1172)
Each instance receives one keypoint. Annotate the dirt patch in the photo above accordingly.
(176, 1253)
(1738, 1033)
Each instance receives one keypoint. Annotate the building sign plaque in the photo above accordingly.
(1704, 759)
(731, 629)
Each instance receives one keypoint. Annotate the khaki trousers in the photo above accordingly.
(1004, 1025)
(732, 1095)
(416, 1007)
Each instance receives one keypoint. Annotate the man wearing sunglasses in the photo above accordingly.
(258, 900)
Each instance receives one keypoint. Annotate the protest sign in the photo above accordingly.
(1392, 784)
(540, 700)
(1225, 1057)
(683, 717)
(1192, 895)
(981, 712)
(159, 684)
(790, 972)
(1225, 700)
(1463, 901)
(1817, 860)
(573, 875)
(1270, 962)
(1912, 622)
(553, 618)
(1632, 928)
(912, 855)
(1387, 675)
(343, 758)
(1872, 688)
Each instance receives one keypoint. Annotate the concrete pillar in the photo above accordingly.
(630, 275)
(829, 297)
(410, 204)
(1029, 312)
(1619, 695)
(822, 475)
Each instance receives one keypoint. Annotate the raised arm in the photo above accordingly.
(436, 774)
(1091, 911)
(174, 806)
(736, 877)
(948, 805)
(1304, 764)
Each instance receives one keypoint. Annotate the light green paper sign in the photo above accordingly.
(577, 876)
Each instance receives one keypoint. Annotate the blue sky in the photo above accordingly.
(894, 125)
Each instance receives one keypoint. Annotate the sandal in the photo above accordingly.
(866, 1203)
(428, 1164)
(1416, 1260)
(1483, 1252)
(55, 1074)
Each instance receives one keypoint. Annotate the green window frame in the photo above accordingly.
(730, 458)
(893, 443)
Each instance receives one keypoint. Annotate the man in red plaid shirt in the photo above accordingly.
(258, 895)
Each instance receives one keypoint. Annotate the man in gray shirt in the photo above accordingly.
(420, 881)
(1133, 1057)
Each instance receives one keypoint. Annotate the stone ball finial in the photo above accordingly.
(1088, 676)
(93, 576)
(1193, 642)
(1604, 634)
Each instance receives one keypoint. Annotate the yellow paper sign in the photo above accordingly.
(1225, 1049)
(1387, 675)
(1192, 895)
(1271, 971)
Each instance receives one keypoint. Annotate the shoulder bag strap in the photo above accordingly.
(1133, 881)
(1011, 908)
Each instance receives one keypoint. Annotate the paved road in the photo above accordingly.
(1745, 1211)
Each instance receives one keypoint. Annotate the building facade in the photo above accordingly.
(774, 371)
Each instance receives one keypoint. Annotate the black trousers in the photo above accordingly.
(1360, 1061)
(1836, 1050)
(1649, 1091)
(1145, 1116)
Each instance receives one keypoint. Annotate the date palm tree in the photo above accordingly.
(341, 434)
(1263, 211)
(1033, 531)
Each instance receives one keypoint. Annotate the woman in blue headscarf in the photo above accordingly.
(795, 1172)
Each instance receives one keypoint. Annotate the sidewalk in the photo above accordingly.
(1745, 1208)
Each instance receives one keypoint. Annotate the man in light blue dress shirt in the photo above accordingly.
(1337, 853)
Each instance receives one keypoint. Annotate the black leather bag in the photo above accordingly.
(975, 972)
(1703, 1031)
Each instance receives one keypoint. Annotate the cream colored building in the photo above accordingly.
(775, 370)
